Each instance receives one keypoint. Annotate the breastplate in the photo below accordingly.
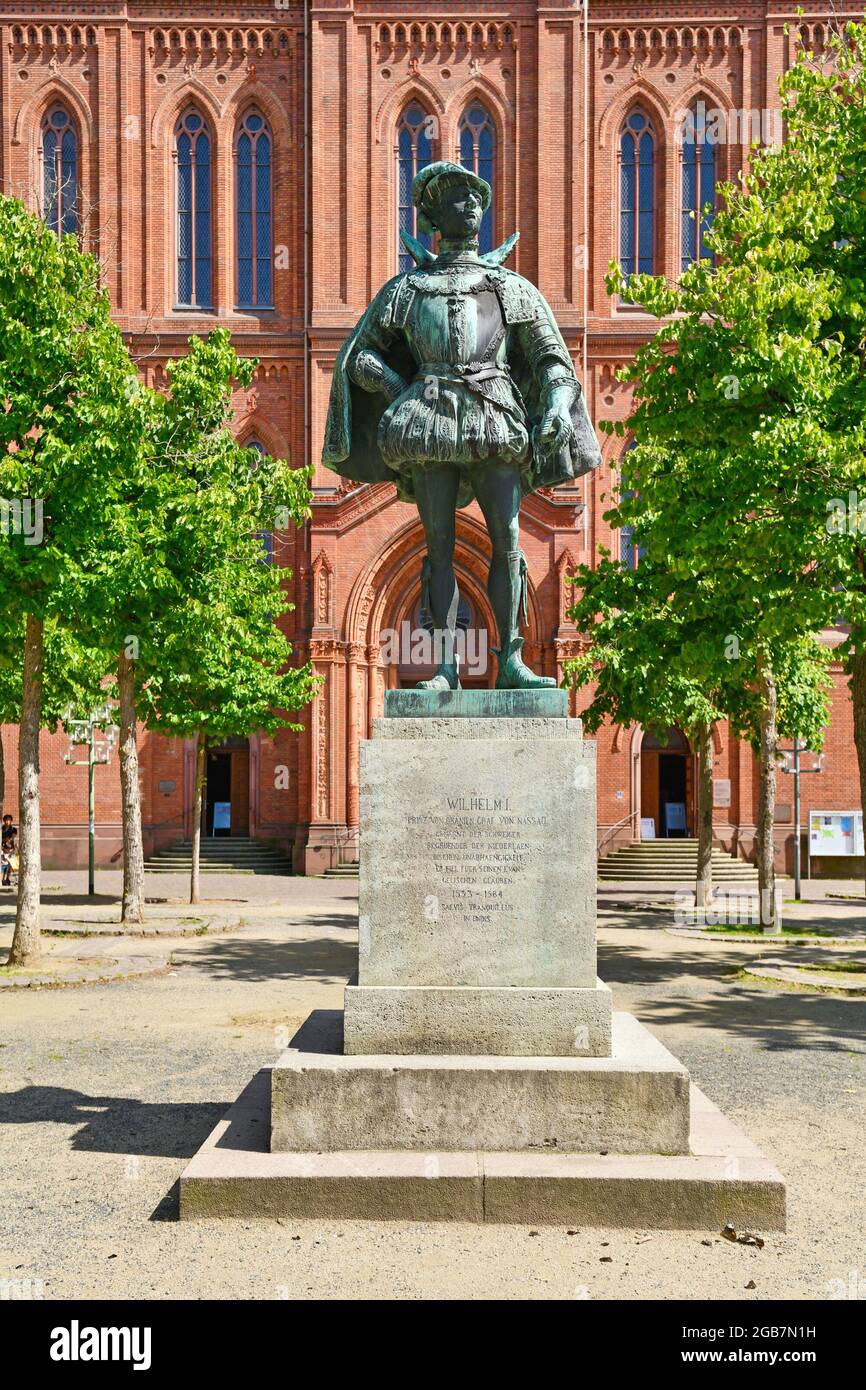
(455, 316)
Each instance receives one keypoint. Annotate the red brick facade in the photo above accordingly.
(331, 80)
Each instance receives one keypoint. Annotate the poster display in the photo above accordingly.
(835, 833)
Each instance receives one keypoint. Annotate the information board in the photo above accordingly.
(835, 832)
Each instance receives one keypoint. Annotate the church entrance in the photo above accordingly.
(666, 785)
(226, 808)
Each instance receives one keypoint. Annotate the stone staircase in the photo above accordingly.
(221, 855)
(671, 861)
(342, 871)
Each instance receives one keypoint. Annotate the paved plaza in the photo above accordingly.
(108, 1089)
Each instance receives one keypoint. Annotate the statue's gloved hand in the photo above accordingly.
(553, 432)
(371, 373)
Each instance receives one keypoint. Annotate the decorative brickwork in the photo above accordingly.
(556, 86)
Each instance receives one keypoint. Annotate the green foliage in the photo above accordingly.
(211, 656)
(69, 432)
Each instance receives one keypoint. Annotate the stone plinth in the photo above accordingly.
(635, 1101)
(470, 1020)
(477, 880)
(477, 1073)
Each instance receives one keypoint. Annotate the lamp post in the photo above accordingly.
(791, 763)
(97, 736)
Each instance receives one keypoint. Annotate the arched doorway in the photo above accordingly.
(226, 801)
(667, 783)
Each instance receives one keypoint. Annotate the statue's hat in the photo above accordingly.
(429, 182)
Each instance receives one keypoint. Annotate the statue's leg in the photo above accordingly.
(435, 488)
(498, 489)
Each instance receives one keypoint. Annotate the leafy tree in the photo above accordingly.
(70, 434)
(210, 657)
(660, 655)
(751, 403)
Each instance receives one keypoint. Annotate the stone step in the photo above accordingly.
(724, 1178)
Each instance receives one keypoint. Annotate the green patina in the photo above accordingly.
(456, 385)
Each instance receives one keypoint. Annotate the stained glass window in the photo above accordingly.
(478, 153)
(253, 151)
(698, 188)
(194, 231)
(59, 171)
(637, 195)
(415, 139)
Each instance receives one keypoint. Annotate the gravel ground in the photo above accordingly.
(106, 1091)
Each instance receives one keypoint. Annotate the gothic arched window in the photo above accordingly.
(415, 137)
(637, 195)
(478, 153)
(253, 149)
(59, 171)
(194, 219)
(698, 188)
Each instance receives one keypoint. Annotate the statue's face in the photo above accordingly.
(458, 211)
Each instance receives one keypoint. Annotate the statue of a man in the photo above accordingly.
(456, 384)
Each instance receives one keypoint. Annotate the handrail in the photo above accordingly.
(613, 829)
(342, 843)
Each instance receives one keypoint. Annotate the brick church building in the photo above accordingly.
(248, 165)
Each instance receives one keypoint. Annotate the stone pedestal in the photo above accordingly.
(476, 909)
(477, 1072)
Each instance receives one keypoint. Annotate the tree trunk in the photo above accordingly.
(704, 876)
(196, 817)
(767, 798)
(132, 909)
(25, 942)
(858, 701)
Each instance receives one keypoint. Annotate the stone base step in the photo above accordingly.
(724, 1179)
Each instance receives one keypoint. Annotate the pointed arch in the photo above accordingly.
(193, 92)
(253, 152)
(194, 200)
(638, 195)
(478, 147)
(60, 89)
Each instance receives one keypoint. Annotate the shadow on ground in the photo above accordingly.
(710, 997)
(258, 960)
(115, 1124)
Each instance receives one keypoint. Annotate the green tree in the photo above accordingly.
(69, 434)
(750, 403)
(660, 654)
(210, 658)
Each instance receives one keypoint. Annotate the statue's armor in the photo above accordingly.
(461, 406)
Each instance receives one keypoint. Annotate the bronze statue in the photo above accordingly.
(455, 384)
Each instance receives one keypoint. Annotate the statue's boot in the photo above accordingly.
(514, 674)
(447, 675)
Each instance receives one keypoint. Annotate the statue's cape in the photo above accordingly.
(351, 445)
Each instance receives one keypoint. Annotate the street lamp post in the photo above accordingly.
(97, 735)
(791, 763)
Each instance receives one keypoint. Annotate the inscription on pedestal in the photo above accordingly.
(478, 856)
